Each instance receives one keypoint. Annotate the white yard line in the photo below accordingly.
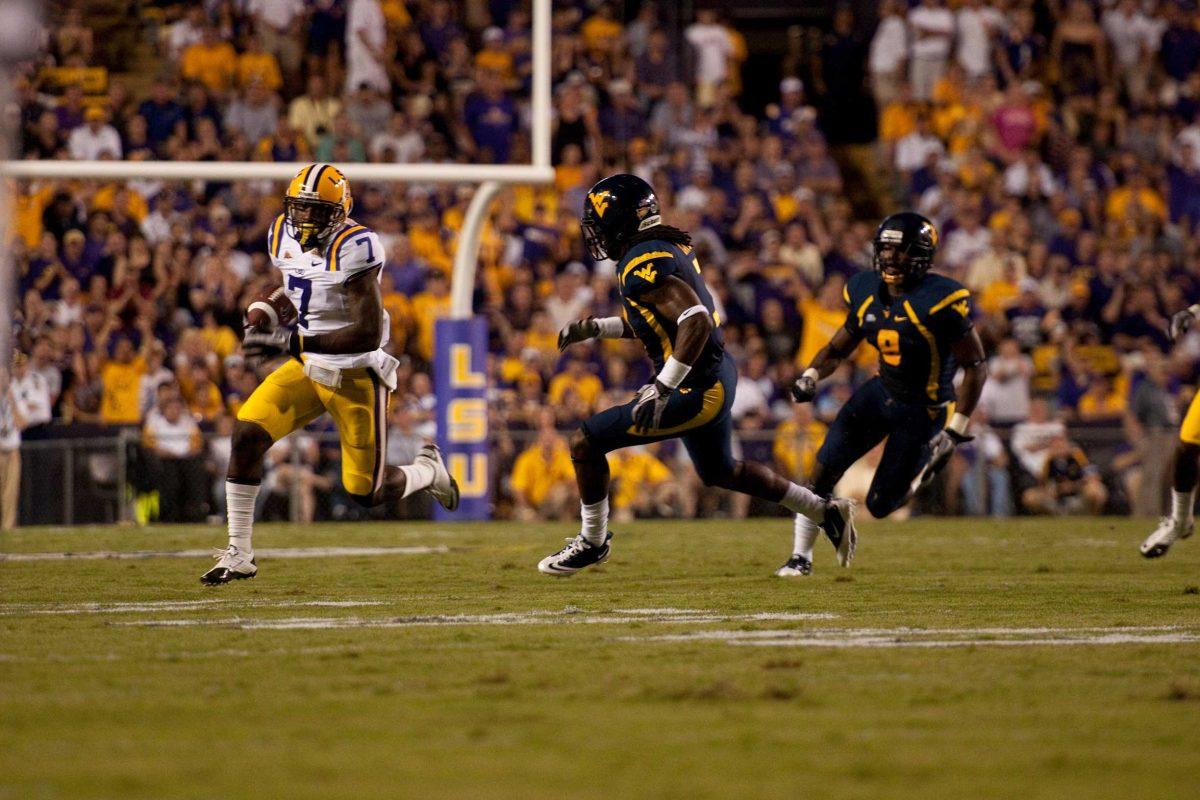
(937, 637)
(54, 609)
(269, 552)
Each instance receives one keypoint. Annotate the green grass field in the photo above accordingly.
(957, 659)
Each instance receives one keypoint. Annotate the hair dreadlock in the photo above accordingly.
(664, 233)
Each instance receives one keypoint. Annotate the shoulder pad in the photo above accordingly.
(645, 266)
(275, 237)
(354, 248)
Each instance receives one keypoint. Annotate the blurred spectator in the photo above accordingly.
(980, 471)
(642, 485)
(1152, 421)
(312, 114)
(713, 49)
(366, 40)
(931, 27)
(1006, 396)
(1031, 438)
(210, 61)
(1068, 484)
(95, 139)
(889, 52)
(172, 439)
(543, 479)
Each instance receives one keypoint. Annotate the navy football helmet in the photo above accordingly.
(614, 211)
(905, 244)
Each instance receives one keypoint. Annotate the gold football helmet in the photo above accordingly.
(317, 202)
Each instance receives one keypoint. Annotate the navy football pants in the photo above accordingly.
(868, 417)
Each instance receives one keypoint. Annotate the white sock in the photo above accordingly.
(799, 500)
(805, 533)
(417, 476)
(1182, 504)
(239, 504)
(595, 521)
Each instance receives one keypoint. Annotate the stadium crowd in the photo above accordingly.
(1056, 144)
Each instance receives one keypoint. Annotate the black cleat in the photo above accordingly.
(578, 554)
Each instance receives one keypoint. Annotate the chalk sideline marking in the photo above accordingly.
(269, 552)
(936, 637)
(567, 616)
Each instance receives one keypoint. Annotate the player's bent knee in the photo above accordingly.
(881, 506)
(250, 436)
(366, 500)
(359, 486)
(582, 448)
(718, 476)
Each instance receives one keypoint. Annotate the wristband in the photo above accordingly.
(958, 423)
(609, 327)
(692, 311)
(673, 373)
(1194, 310)
(811, 373)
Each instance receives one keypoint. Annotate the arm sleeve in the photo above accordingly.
(646, 271)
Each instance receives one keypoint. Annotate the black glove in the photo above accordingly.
(1180, 322)
(651, 403)
(804, 389)
(578, 331)
(260, 346)
(941, 447)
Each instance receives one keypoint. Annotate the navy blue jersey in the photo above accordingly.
(913, 332)
(643, 269)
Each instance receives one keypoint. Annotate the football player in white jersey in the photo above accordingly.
(336, 363)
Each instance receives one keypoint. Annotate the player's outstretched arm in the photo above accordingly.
(581, 330)
(824, 363)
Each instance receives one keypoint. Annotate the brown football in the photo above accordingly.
(269, 309)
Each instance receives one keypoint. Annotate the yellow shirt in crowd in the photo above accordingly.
(534, 474)
(261, 67)
(212, 65)
(586, 387)
(121, 392)
(820, 324)
(633, 470)
(427, 309)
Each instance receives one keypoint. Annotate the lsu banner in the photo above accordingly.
(460, 385)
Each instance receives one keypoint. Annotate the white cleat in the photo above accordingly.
(444, 488)
(1168, 531)
(233, 564)
(839, 527)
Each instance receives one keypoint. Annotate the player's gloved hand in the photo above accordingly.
(651, 403)
(578, 331)
(1180, 322)
(260, 346)
(805, 387)
(941, 447)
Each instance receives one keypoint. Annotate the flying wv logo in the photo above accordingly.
(646, 273)
(961, 307)
(599, 202)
